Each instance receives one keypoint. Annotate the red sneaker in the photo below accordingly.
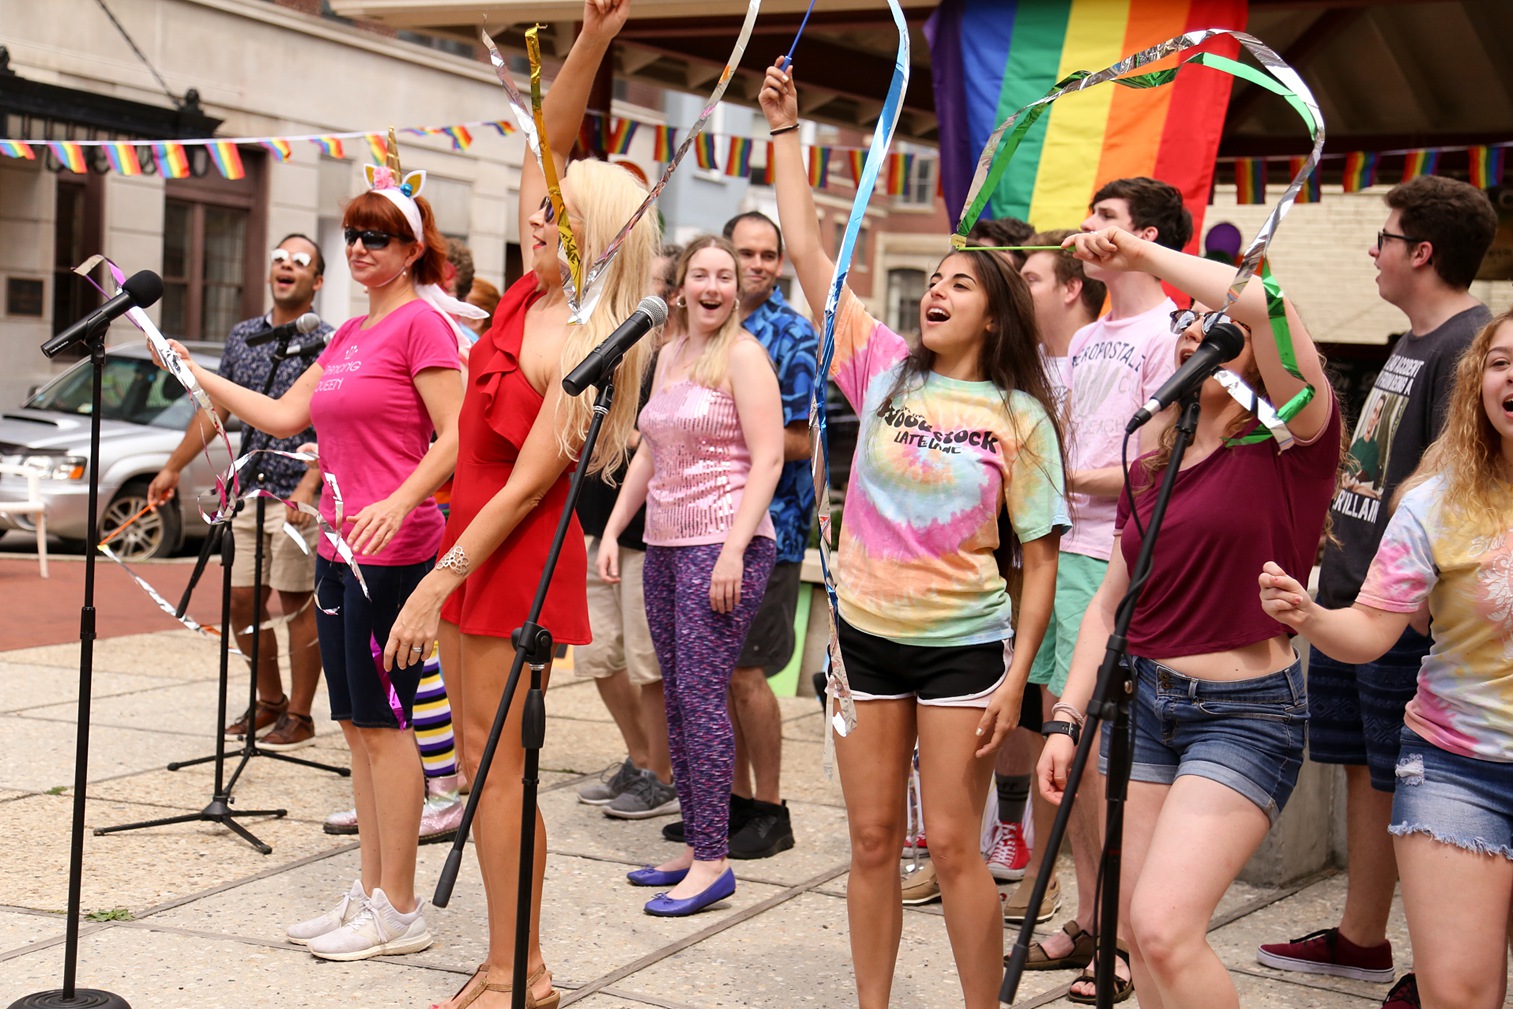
(1328, 952)
(1010, 853)
(1404, 994)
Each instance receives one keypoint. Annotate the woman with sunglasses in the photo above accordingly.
(1219, 703)
(383, 398)
(520, 438)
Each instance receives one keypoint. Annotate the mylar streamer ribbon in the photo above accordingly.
(838, 693)
(1279, 78)
(583, 292)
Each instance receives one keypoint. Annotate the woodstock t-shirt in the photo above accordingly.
(932, 472)
(1464, 569)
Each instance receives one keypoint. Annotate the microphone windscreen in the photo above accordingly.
(654, 307)
(1227, 337)
(145, 288)
(307, 323)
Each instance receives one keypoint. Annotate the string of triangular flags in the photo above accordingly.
(728, 154)
(1484, 169)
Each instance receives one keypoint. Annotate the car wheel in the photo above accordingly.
(153, 534)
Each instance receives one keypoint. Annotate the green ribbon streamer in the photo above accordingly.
(1281, 332)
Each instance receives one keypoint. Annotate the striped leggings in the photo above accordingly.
(697, 649)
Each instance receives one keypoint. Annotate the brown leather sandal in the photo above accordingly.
(551, 1001)
(481, 972)
(1124, 987)
(1083, 945)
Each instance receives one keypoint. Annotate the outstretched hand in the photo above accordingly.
(778, 97)
(1110, 248)
(1283, 598)
(173, 345)
(605, 18)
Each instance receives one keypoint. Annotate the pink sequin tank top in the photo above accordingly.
(701, 465)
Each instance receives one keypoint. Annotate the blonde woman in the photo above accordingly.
(711, 455)
(520, 436)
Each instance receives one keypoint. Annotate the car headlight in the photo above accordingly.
(57, 467)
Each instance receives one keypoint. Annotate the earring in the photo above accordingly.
(681, 302)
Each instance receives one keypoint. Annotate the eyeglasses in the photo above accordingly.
(1382, 236)
(285, 256)
(370, 239)
(548, 211)
(1183, 318)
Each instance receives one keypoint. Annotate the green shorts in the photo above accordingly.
(1077, 578)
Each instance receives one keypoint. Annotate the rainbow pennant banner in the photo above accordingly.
(1360, 170)
(703, 149)
(1310, 191)
(738, 163)
(69, 154)
(459, 136)
(329, 146)
(378, 147)
(858, 160)
(819, 167)
(17, 149)
(503, 127)
(621, 133)
(769, 170)
(1250, 181)
(227, 159)
(122, 158)
(172, 159)
(1485, 166)
(664, 144)
(899, 166)
(992, 57)
(278, 147)
(1416, 163)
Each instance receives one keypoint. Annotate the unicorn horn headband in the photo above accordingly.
(390, 182)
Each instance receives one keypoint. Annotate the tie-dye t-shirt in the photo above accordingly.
(1464, 569)
(930, 476)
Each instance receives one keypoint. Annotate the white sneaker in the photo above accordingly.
(351, 904)
(377, 929)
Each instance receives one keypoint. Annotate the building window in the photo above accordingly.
(905, 289)
(214, 234)
(919, 186)
(76, 237)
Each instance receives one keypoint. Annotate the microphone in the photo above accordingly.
(1223, 342)
(307, 348)
(601, 361)
(140, 290)
(307, 323)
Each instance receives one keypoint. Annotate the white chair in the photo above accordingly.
(33, 505)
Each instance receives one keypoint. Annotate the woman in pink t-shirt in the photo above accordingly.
(388, 381)
(1219, 704)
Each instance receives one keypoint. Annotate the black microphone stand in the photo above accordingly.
(1110, 702)
(69, 996)
(533, 646)
(218, 809)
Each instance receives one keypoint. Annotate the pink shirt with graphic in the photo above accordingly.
(1115, 366)
(372, 425)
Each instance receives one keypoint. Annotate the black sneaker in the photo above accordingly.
(767, 832)
(740, 812)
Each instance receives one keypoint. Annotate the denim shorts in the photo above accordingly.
(1246, 734)
(1459, 800)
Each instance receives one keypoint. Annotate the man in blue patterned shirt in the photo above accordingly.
(295, 274)
(791, 342)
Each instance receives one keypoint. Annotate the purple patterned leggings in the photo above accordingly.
(697, 649)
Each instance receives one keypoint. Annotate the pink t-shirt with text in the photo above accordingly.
(372, 425)
(1115, 366)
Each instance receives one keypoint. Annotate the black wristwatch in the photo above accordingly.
(1070, 728)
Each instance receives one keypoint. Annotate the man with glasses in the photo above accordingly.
(1426, 256)
(295, 274)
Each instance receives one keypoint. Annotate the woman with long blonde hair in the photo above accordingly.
(1448, 545)
(520, 436)
(711, 455)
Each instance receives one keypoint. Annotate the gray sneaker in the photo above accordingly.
(645, 797)
(615, 779)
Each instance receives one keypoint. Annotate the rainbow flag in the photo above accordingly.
(857, 159)
(329, 146)
(990, 58)
(738, 163)
(664, 144)
(1360, 171)
(1250, 180)
(621, 133)
(503, 126)
(1486, 166)
(69, 154)
(819, 167)
(459, 136)
(899, 166)
(122, 158)
(172, 159)
(17, 149)
(769, 170)
(1309, 192)
(377, 146)
(1416, 163)
(228, 160)
(703, 149)
(591, 134)
(278, 147)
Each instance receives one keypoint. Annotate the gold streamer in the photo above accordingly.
(549, 163)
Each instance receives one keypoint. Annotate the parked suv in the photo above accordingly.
(144, 412)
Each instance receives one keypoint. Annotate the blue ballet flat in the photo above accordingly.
(664, 906)
(649, 876)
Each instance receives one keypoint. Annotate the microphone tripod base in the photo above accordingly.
(84, 998)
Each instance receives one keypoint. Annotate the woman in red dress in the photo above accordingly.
(519, 440)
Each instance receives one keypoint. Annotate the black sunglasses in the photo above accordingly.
(548, 210)
(370, 239)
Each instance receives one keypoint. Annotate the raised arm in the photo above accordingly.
(1208, 282)
(796, 210)
(565, 103)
